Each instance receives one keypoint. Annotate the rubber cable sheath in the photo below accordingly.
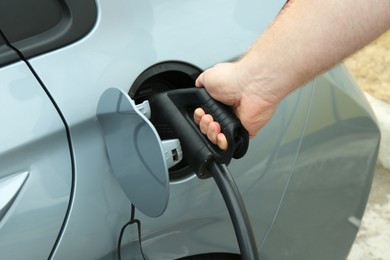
(237, 211)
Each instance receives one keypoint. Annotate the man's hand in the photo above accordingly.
(227, 83)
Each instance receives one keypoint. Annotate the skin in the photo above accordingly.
(307, 38)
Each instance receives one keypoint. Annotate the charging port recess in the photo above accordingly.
(159, 78)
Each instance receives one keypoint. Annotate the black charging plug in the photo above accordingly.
(172, 112)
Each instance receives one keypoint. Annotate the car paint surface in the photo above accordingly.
(34, 146)
(328, 188)
(305, 179)
(109, 57)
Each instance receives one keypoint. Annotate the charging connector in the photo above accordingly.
(172, 151)
(144, 108)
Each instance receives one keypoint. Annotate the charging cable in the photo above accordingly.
(130, 222)
(237, 211)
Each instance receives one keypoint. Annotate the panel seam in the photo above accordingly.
(292, 166)
(70, 147)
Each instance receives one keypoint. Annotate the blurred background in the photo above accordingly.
(371, 69)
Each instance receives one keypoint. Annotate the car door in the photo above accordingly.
(35, 166)
(35, 153)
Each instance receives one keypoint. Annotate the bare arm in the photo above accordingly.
(307, 38)
(311, 36)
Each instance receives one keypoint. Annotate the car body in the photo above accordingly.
(305, 179)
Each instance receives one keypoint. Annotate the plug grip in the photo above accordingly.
(237, 136)
(173, 111)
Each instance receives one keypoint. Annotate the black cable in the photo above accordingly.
(132, 214)
(237, 211)
(130, 222)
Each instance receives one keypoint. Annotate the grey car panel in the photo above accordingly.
(134, 54)
(135, 152)
(299, 173)
(328, 189)
(35, 167)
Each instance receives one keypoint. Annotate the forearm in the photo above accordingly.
(309, 37)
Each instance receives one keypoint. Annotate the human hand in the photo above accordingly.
(231, 84)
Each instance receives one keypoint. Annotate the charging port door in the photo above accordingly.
(135, 152)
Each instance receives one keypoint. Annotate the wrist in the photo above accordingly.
(265, 81)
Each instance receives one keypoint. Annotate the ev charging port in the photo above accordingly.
(160, 78)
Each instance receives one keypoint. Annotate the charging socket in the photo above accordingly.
(160, 78)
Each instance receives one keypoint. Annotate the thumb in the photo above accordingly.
(199, 81)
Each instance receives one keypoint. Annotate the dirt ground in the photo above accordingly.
(371, 68)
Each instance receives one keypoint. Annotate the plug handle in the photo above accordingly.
(172, 111)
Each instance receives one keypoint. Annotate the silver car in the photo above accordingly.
(305, 178)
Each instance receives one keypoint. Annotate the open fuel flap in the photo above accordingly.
(138, 157)
(144, 158)
(142, 162)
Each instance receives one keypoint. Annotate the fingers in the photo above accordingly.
(205, 123)
(198, 114)
(210, 128)
(222, 142)
(212, 132)
(199, 81)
